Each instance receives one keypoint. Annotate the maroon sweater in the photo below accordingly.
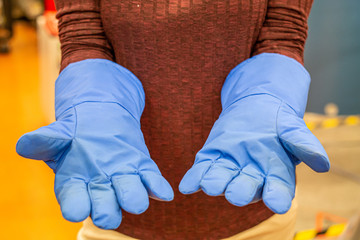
(182, 51)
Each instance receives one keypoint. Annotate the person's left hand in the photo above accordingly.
(260, 136)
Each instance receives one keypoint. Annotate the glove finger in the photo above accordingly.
(157, 186)
(300, 142)
(45, 143)
(277, 195)
(279, 188)
(105, 210)
(246, 188)
(220, 174)
(131, 193)
(191, 181)
(74, 200)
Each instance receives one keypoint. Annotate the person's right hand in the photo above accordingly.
(96, 147)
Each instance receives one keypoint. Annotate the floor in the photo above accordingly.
(336, 192)
(28, 208)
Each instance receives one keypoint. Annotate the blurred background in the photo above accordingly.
(329, 204)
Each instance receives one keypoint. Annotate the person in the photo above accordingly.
(212, 93)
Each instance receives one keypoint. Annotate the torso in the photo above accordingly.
(182, 52)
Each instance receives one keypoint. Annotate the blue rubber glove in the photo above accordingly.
(96, 147)
(260, 136)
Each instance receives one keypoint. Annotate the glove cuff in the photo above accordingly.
(98, 80)
(268, 73)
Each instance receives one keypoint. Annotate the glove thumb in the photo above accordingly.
(300, 142)
(46, 143)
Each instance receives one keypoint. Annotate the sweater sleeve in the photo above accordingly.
(284, 30)
(81, 32)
